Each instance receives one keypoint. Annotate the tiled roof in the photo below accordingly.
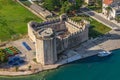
(108, 2)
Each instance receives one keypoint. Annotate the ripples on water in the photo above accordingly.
(92, 68)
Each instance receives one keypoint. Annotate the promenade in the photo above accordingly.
(108, 42)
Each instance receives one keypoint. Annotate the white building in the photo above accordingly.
(114, 8)
(89, 2)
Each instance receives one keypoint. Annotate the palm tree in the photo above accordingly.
(108, 10)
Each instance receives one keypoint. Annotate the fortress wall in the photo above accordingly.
(84, 34)
(73, 40)
(71, 28)
(46, 51)
(50, 51)
(59, 45)
(56, 26)
(47, 48)
(78, 37)
(78, 25)
(40, 51)
(31, 33)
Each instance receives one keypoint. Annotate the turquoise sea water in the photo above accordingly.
(92, 68)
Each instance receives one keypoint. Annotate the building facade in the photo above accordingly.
(89, 2)
(114, 8)
(55, 36)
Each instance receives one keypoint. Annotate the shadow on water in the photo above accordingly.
(93, 59)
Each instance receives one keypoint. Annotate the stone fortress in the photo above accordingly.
(55, 36)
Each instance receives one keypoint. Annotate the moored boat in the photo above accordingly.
(104, 53)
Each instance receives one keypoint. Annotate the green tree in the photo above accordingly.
(57, 3)
(62, 1)
(66, 7)
(2, 56)
(78, 4)
(117, 18)
(98, 5)
(51, 4)
(48, 4)
(108, 10)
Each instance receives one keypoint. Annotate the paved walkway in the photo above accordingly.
(114, 21)
(108, 42)
(100, 18)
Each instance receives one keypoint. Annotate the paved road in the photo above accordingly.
(100, 18)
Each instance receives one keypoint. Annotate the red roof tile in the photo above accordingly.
(108, 2)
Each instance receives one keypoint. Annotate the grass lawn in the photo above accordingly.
(96, 29)
(14, 19)
(97, 9)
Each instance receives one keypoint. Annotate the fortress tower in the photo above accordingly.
(55, 36)
(46, 46)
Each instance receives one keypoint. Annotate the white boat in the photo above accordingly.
(104, 53)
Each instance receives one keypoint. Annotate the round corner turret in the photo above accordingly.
(63, 17)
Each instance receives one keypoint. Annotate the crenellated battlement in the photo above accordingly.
(36, 26)
(78, 25)
(49, 22)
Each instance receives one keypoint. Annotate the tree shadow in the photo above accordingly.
(93, 33)
(14, 61)
(97, 41)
